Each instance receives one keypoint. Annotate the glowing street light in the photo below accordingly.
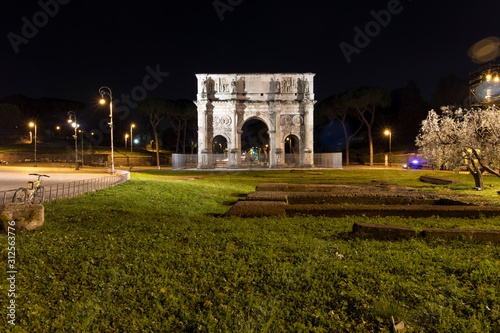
(32, 124)
(72, 121)
(81, 140)
(90, 142)
(126, 138)
(106, 91)
(131, 137)
(387, 132)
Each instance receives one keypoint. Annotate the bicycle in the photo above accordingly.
(33, 193)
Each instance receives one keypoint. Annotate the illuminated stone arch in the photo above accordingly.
(282, 101)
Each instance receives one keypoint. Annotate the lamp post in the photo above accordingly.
(131, 137)
(387, 132)
(81, 140)
(106, 91)
(32, 124)
(72, 121)
(126, 138)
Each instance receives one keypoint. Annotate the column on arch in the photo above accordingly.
(233, 148)
(308, 144)
(203, 132)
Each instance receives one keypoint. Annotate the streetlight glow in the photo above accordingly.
(72, 121)
(32, 124)
(107, 91)
(131, 138)
(387, 132)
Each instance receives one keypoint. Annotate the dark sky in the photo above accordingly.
(87, 44)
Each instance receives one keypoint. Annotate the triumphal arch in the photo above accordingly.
(283, 101)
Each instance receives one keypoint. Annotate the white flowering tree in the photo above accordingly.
(459, 137)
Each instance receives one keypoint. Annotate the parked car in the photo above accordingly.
(414, 164)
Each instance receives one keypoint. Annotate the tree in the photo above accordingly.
(450, 90)
(335, 106)
(462, 137)
(180, 113)
(156, 109)
(411, 112)
(11, 120)
(365, 101)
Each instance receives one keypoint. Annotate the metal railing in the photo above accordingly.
(321, 160)
(71, 190)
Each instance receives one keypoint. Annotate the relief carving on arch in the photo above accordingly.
(286, 121)
(222, 121)
(297, 120)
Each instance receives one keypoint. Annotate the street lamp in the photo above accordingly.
(131, 137)
(81, 140)
(32, 124)
(106, 91)
(90, 143)
(72, 121)
(126, 138)
(387, 132)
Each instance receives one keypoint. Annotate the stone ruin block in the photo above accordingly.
(479, 235)
(383, 232)
(27, 217)
(257, 209)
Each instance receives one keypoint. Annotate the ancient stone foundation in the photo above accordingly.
(373, 199)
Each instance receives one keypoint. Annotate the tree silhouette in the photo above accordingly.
(411, 113)
(336, 107)
(365, 101)
(450, 90)
(180, 113)
(155, 109)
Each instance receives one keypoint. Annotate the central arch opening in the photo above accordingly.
(292, 155)
(219, 151)
(254, 144)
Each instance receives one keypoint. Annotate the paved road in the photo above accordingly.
(13, 177)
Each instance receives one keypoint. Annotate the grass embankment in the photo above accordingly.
(155, 255)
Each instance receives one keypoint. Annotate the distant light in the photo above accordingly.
(415, 161)
(488, 77)
(32, 124)
(387, 132)
(136, 141)
(102, 101)
(496, 79)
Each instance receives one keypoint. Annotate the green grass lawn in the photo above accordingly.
(156, 255)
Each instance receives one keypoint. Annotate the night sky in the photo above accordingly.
(83, 45)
